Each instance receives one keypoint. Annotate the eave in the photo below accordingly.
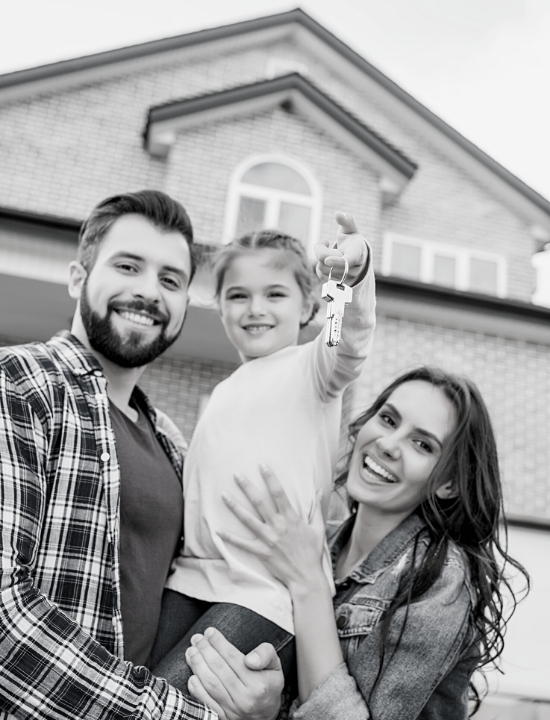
(293, 93)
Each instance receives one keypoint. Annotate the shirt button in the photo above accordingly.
(98, 373)
(105, 457)
(341, 622)
(345, 585)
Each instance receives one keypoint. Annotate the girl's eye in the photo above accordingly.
(277, 294)
(126, 267)
(236, 296)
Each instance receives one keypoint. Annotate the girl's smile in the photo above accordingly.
(261, 304)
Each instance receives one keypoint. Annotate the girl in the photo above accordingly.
(418, 566)
(281, 406)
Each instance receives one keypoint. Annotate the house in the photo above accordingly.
(275, 121)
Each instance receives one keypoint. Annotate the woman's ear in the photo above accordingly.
(446, 491)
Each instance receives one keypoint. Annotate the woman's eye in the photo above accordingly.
(387, 419)
(424, 446)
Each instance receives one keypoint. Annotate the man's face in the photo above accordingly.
(133, 300)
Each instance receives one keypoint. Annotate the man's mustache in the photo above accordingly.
(141, 306)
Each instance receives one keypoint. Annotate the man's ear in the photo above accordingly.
(77, 278)
(446, 491)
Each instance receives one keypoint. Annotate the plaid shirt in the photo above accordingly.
(61, 645)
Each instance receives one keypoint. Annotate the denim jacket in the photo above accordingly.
(426, 677)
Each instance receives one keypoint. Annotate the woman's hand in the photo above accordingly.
(290, 547)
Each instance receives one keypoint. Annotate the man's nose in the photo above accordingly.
(147, 287)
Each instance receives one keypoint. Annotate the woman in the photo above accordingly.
(418, 566)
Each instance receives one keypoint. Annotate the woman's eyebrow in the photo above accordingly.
(421, 431)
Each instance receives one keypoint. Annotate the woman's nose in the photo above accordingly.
(389, 445)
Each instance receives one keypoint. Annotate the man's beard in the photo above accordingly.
(130, 351)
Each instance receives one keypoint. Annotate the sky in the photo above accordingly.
(483, 66)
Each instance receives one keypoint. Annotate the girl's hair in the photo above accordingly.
(473, 518)
(290, 254)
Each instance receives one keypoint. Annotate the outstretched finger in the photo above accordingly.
(347, 223)
(256, 526)
(277, 492)
(258, 498)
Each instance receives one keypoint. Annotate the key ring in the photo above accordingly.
(345, 274)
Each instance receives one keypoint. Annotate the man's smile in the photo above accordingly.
(142, 319)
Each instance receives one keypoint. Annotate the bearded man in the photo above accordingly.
(90, 487)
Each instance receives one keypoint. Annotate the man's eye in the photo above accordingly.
(171, 283)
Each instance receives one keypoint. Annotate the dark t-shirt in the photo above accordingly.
(151, 517)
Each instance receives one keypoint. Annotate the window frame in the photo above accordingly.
(273, 197)
(462, 255)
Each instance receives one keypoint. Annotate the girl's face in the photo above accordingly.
(397, 449)
(261, 305)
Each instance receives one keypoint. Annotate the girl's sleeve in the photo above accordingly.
(332, 369)
(427, 671)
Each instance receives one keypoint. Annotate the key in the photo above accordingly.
(337, 296)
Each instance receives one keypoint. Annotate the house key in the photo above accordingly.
(337, 296)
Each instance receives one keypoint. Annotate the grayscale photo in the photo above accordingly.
(274, 360)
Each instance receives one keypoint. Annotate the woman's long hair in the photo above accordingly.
(473, 518)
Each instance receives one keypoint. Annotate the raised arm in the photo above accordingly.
(50, 669)
(333, 369)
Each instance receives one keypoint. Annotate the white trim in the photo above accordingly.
(282, 66)
(273, 197)
(463, 255)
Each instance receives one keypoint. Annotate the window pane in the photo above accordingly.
(294, 220)
(444, 270)
(275, 175)
(405, 261)
(483, 276)
(251, 215)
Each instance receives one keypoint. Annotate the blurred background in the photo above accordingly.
(428, 121)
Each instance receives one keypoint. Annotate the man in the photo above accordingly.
(90, 487)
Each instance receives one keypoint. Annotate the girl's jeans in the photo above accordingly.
(182, 616)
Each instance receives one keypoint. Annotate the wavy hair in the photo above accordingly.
(291, 254)
(473, 518)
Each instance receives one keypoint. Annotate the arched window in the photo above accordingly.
(273, 192)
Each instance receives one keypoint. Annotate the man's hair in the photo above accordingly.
(157, 207)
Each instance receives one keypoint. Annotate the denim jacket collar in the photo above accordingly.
(385, 553)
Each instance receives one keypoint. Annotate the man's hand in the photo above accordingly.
(236, 686)
(349, 244)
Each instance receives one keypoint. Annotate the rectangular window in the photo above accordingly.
(451, 266)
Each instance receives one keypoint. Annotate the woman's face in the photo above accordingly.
(397, 449)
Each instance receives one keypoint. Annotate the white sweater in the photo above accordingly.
(282, 410)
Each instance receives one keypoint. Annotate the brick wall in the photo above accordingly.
(63, 151)
(510, 375)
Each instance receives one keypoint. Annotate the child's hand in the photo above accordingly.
(350, 245)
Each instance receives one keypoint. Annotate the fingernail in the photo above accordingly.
(191, 652)
(209, 632)
(226, 498)
(238, 479)
(263, 468)
(196, 638)
(254, 657)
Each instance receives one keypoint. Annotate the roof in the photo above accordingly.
(296, 17)
(291, 92)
